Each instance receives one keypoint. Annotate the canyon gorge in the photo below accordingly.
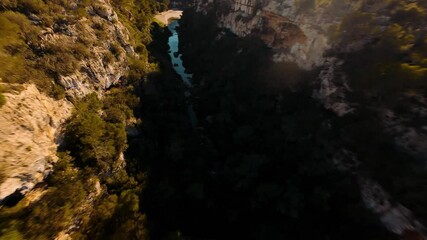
(213, 119)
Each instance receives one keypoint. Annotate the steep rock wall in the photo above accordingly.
(29, 124)
(297, 30)
(104, 31)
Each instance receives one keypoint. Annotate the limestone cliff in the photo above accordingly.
(31, 122)
(296, 30)
(105, 33)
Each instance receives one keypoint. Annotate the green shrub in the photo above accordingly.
(11, 47)
(58, 92)
(139, 24)
(2, 100)
(85, 132)
(2, 173)
(137, 69)
(19, 64)
(65, 200)
(115, 50)
(34, 6)
(122, 99)
(96, 140)
(108, 58)
(80, 51)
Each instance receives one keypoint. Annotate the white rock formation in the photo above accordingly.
(29, 124)
(166, 16)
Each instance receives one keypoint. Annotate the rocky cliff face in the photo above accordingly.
(31, 122)
(297, 30)
(104, 33)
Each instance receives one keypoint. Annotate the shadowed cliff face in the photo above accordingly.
(297, 30)
(239, 75)
(360, 49)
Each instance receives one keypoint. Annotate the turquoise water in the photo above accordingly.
(179, 68)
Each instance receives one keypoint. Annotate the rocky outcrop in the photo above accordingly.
(394, 216)
(108, 42)
(332, 87)
(168, 16)
(297, 30)
(406, 129)
(29, 126)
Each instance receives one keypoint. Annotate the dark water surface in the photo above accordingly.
(179, 68)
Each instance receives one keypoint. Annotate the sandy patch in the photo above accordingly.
(167, 16)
